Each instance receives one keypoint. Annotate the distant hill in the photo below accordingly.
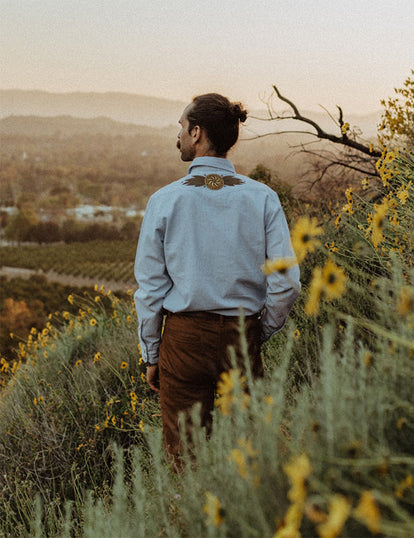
(68, 126)
(124, 107)
(143, 110)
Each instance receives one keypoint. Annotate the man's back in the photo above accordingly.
(214, 241)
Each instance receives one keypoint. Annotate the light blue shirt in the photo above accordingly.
(202, 249)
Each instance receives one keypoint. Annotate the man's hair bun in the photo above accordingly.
(219, 117)
(239, 112)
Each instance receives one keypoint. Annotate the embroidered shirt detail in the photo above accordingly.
(213, 182)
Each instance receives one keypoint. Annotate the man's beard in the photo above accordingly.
(185, 155)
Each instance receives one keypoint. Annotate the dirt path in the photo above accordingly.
(67, 280)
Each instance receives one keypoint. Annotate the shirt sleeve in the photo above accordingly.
(282, 288)
(153, 282)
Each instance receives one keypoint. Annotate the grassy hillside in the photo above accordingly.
(321, 447)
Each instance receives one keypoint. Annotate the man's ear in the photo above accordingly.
(196, 133)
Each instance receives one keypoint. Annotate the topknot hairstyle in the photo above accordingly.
(219, 117)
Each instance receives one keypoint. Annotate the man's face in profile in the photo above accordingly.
(185, 142)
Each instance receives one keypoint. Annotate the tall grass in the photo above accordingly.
(322, 446)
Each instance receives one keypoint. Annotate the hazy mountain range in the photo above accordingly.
(142, 110)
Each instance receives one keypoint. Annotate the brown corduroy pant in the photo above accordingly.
(194, 352)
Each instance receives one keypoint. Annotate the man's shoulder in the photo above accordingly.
(167, 190)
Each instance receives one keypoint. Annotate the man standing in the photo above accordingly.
(203, 241)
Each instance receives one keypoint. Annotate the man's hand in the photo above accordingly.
(152, 377)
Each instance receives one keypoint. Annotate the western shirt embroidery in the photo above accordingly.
(213, 182)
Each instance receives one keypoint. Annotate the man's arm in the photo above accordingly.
(282, 288)
(153, 282)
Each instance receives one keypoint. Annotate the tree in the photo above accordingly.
(44, 232)
(20, 224)
(346, 150)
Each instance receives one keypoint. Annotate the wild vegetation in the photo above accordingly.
(321, 447)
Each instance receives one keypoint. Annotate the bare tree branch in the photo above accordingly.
(323, 135)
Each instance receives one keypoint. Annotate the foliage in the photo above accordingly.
(398, 116)
(288, 200)
(95, 259)
(26, 304)
(20, 224)
(74, 391)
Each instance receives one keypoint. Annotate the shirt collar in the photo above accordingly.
(211, 164)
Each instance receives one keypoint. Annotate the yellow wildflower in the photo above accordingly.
(298, 470)
(291, 523)
(378, 223)
(141, 425)
(348, 207)
(331, 247)
(97, 299)
(213, 510)
(70, 299)
(92, 322)
(97, 357)
(333, 281)
(227, 385)
(389, 157)
(237, 456)
(403, 194)
(78, 363)
(368, 512)
(296, 334)
(124, 365)
(339, 509)
(345, 128)
(66, 315)
(278, 265)
(315, 292)
(304, 235)
(408, 482)
(365, 183)
(143, 378)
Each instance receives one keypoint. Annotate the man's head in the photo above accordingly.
(209, 126)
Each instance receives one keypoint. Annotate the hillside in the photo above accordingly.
(143, 110)
(122, 107)
(65, 126)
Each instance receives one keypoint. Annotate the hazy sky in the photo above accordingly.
(347, 52)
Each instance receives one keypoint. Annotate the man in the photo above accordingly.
(203, 241)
